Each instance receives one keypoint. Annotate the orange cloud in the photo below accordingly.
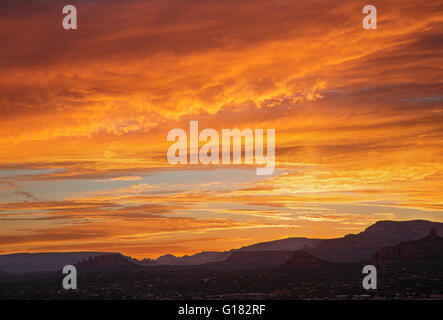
(358, 117)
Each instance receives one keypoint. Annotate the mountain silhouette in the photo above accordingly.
(424, 250)
(251, 260)
(109, 263)
(303, 260)
(47, 261)
(350, 248)
(359, 247)
(288, 244)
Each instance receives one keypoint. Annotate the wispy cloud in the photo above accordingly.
(84, 117)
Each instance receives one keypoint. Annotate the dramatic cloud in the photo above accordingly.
(84, 116)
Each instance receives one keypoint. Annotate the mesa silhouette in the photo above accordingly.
(352, 248)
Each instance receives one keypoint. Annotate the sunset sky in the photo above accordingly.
(84, 116)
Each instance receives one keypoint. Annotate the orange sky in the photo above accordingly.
(84, 116)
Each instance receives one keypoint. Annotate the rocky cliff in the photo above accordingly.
(108, 262)
(303, 260)
(359, 247)
(421, 250)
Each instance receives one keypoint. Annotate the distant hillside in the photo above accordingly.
(288, 244)
(424, 251)
(107, 262)
(359, 247)
(196, 259)
(350, 248)
(303, 260)
(250, 260)
(33, 262)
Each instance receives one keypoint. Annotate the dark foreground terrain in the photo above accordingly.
(407, 270)
(341, 282)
